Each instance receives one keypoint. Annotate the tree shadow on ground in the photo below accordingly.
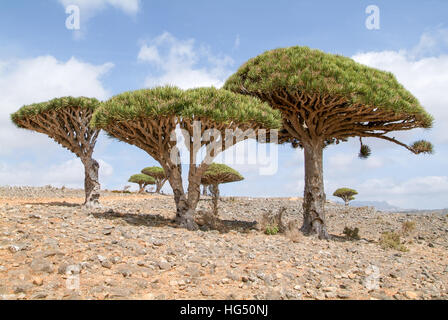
(55, 204)
(157, 221)
(225, 226)
(146, 220)
(339, 238)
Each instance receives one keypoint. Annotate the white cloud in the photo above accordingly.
(410, 193)
(89, 8)
(35, 80)
(432, 43)
(349, 161)
(182, 63)
(424, 76)
(69, 174)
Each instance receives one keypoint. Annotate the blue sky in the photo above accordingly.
(201, 43)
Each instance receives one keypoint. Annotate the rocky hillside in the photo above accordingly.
(52, 249)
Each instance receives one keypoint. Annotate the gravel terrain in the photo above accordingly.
(50, 248)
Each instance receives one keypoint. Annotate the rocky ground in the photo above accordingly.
(50, 248)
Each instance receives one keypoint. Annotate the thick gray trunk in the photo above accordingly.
(214, 188)
(314, 195)
(185, 208)
(91, 183)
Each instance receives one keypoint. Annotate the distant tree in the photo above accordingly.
(207, 117)
(215, 175)
(142, 180)
(345, 194)
(66, 121)
(326, 99)
(204, 190)
(159, 176)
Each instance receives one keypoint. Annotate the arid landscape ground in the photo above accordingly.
(131, 249)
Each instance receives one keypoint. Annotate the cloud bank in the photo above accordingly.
(183, 63)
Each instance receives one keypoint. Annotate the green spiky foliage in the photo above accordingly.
(53, 105)
(216, 105)
(423, 146)
(301, 69)
(215, 175)
(159, 176)
(326, 99)
(365, 151)
(142, 180)
(220, 173)
(148, 118)
(66, 120)
(296, 77)
(345, 194)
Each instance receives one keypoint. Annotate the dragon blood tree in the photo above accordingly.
(158, 174)
(346, 194)
(66, 120)
(207, 118)
(326, 99)
(215, 175)
(142, 180)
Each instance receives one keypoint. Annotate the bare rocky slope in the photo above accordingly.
(52, 249)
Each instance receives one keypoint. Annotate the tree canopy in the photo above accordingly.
(66, 120)
(219, 174)
(142, 179)
(148, 119)
(220, 106)
(301, 69)
(330, 96)
(155, 172)
(215, 175)
(54, 105)
(345, 194)
(159, 176)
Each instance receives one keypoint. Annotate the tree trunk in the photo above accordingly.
(91, 183)
(314, 195)
(204, 190)
(214, 188)
(185, 209)
(158, 187)
(185, 213)
(142, 188)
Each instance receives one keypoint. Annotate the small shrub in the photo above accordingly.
(269, 220)
(352, 234)
(408, 227)
(391, 240)
(271, 230)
